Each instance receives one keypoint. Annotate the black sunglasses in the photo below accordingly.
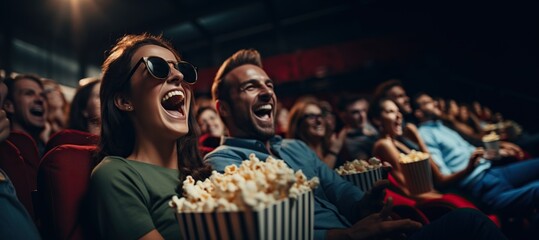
(159, 68)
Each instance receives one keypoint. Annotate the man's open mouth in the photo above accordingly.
(173, 101)
(263, 111)
(37, 111)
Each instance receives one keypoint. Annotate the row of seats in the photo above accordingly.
(60, 180)
(51, 188)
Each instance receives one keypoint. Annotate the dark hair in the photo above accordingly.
(77, 120)
(219, 89)
(415, 105)
(381, 90)
(375, 108)
(347, 99)
(117, 130)
(10, 83)
(203, 109)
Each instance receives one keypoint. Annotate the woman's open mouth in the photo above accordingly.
(173, 103)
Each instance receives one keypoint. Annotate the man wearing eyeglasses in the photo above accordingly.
(26, 107)
(246, 101)
(362, 135)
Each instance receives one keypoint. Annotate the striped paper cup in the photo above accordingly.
(287, 219)
(365, 180)
(418, 176)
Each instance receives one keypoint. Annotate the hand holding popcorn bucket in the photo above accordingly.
(257, 200)
(492, 146)
(417, 172)
(361, 173)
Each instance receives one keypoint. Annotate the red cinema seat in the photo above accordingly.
(12, 162)
(63, 181)
(435, 208)
(71, 136)
(207, 143)
(28, 148)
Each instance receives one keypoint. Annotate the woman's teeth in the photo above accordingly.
(171, 94)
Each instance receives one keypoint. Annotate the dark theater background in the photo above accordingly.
(467, 50)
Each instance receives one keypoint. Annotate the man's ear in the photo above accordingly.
(123, 102)
(8, 106)
(223, 109)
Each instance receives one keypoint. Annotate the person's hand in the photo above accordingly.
(386, 169)
(474, 158)
(4, 126)
(508, 149)
(373, 200)
(374, 226)
(337, 140)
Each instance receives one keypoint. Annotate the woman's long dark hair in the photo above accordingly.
(77, 120)
(117, 131)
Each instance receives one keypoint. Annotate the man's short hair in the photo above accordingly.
(10, 83)
(348, 99)
(219, 88)
(382, 88)
(415, 104)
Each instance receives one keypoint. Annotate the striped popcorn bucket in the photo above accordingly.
(418, 176)
(287, 219)
(365, 180)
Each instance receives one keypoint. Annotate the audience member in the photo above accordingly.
(510, 188)
(394, 90)
(282, 119)
(456, 118)
(308, 124)
(57, 108)
(26, 107)
(148, 140)
(85, 113)
(16, 222)
(329, 115)
(210, 123)
(4, 121)
(212, 129)
(386, 115)
(246, 101)
(360, 136)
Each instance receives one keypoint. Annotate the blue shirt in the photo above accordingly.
(15, 222)
(450, 151)
(336, 199)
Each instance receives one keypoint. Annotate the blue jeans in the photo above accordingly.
(510, 188)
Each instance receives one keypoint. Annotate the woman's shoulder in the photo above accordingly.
(383, 143)
(112, 162)
(112, 167)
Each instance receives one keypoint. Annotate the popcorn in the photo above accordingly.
(359, 166)
(416, 169)
(413, 156)
(252, 185)
(491, 137)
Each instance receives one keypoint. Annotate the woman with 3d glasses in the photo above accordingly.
(148, 140)
(307, 123)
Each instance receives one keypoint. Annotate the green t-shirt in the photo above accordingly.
(130, 198)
